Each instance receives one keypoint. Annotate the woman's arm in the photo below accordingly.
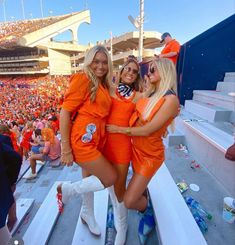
(65, 128)
(168, 110)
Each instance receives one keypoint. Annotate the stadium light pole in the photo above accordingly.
(4, 10)
(138, 23)
(111, 45)
(22, 5)
(141, 30)
(41, 8)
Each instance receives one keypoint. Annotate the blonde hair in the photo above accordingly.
(89, 72)
(167, 73)
(48, 135)
(136, 83)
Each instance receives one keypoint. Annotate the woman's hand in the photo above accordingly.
(67, 158)
(112, 128)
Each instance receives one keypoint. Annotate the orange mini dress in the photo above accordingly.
(148, 151)
(117, 148)
(88, 130)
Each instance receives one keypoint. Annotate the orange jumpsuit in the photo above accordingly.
(88, 129)
(148, 151)
(118, 146)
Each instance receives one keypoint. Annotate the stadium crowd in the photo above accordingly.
(11, 31)
(29, 101)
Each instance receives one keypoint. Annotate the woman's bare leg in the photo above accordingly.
(32, 161)
(120, 184)
(134, 197)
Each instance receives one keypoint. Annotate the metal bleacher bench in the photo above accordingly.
(82, 235)
(41, 227)
(174, 221)
(43, 222)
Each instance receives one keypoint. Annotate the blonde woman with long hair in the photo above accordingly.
(83, 140)
(148, 124)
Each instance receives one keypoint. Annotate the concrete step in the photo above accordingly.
(229, 77)
(225, 87)
(208, 144)
(207, 112)
(40, 228)
(174, 138)
(168, 202)
(23, 206)
(217, 98)
(82, 235)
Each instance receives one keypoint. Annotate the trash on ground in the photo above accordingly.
(194, 187)
(182, 186)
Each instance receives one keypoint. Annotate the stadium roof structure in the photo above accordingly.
(128, 44)
(39, 32)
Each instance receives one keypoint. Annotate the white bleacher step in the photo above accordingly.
(175, 223)
(23, 206)
(174, 138)
(229, 77)
(217, 98)
(38, 168)
(24, 168)
(82, 234)
(213, 135)
(225, 87)
(43, 222)
(207, 111)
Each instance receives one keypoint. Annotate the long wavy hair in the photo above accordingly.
(168, 81)
(48, 135)
(136, 83)
(91, 75)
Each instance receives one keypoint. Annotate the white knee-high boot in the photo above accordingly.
(4, 235)
(87, 213)
(120, 218)
(88, 184)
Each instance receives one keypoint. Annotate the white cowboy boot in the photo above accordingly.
(120, 218)
(121, 224)
(5, 235)
(88, 184)
(87, 213)
(114, 202)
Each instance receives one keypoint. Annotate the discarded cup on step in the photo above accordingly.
(229, 210)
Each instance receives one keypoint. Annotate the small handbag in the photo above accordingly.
(230, 153)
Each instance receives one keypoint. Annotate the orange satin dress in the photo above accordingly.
(88, 130)
(148, 151)
(117, 148)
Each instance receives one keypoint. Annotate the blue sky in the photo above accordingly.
(184, 19)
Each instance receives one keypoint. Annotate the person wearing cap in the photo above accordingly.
(171, 49)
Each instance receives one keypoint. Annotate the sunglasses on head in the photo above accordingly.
(129, 69)
(152, 69)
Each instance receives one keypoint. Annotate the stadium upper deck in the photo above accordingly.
(28, 47)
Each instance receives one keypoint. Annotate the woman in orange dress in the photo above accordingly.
(83, 141)
(25, 143)
(152, 116)
(118, 146)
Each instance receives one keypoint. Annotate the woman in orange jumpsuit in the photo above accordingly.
(83, 140)
(152, 116)
(118, 146)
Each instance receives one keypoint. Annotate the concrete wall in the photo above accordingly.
(59, 62)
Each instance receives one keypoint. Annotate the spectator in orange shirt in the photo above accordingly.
(171, 49)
